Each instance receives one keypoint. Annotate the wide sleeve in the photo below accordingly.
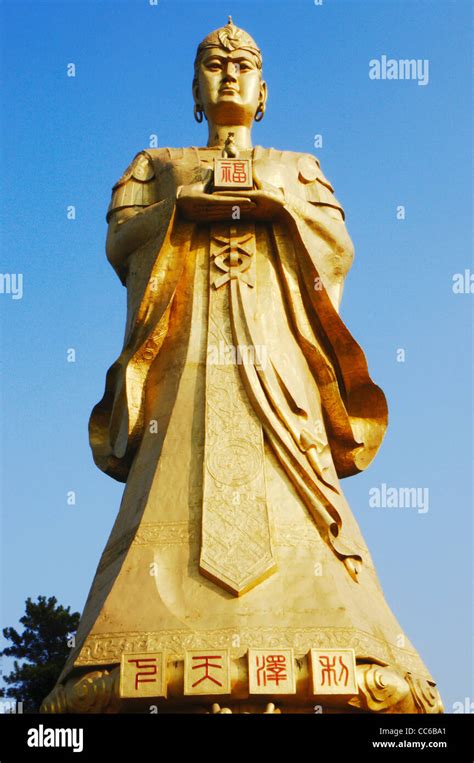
(316, 252)
(151, 271)
(311, 206)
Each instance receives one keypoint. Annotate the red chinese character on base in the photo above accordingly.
(271, 667)
(142, 674)
(333, 672)
(148, 665)
(329, 674)
(206, 665)
(271, 672)
(207, 672)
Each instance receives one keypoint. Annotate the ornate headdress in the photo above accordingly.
(229, 37)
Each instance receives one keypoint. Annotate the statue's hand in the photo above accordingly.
(194, 204)
(266, 204)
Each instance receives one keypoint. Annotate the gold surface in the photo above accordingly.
(239, 401)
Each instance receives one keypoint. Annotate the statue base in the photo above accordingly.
(381, 689)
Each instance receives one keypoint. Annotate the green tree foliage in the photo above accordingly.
(43, 648)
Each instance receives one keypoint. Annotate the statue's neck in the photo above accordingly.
(218, 135)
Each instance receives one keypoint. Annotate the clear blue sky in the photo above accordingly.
(65, 141)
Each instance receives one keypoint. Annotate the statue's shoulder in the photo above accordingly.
(306, 167)
(167, 153)
(305, 177)
(147, 163)
(309, 169)
(136, 186)
(140, 169)
(151, 175)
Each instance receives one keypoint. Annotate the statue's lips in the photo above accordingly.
(227, 91)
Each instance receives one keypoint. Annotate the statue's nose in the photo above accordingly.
(231, 71)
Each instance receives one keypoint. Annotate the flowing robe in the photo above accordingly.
(238, 402)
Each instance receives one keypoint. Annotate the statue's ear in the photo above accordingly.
(263, 95)
(196, 94)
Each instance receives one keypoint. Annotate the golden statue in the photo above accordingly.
(239, 401)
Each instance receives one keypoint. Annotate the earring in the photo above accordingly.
(259, 114)
(198, 113)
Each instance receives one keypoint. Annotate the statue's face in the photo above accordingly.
(229, 87)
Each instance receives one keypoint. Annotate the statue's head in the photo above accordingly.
(228, 87)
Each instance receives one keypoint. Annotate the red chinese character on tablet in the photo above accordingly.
(330, 673)
(239, 174)
(206, 664)
(148, 667)
(271, 667)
